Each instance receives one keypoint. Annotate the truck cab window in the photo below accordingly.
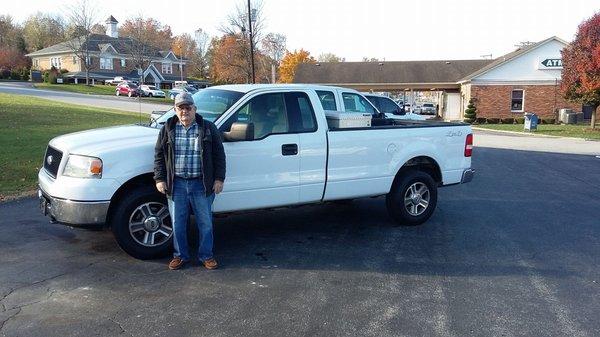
(267, 112)
(327, 99)
(356, 103)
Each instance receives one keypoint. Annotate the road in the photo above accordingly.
(101, 101)
(513, 253)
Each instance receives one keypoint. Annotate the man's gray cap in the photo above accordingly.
(184, 98)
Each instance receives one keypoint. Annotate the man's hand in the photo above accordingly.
(161, 186)
(218, 186)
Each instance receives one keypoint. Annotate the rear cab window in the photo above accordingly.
(356, 103)
(327, 99)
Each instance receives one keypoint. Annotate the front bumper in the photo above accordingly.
(467, 176)
(76, 213)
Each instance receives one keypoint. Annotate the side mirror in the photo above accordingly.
(240, 132)
(156, 114)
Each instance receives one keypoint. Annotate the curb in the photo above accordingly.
(534, 134)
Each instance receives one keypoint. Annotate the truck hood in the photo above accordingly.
(99, 141)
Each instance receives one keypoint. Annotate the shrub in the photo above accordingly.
(492, 120)
(480, 120)
(471, 112)
(548, 120)
(63, 71)
(509, 120)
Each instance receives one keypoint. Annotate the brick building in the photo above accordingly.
(525, 80)
(111, 56)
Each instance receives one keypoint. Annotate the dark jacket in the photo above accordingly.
(213, 154)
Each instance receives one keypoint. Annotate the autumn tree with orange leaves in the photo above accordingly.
(290, 63)
(581, 66)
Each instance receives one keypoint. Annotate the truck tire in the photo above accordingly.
(141, 224)
(412, 199)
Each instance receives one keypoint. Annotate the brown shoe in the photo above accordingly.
(176, 263)
(210, 264)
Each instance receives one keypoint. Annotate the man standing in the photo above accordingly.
(189, 167)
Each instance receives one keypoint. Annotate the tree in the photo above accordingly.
(471, 112)
(43, 30)
(145, 38)
(329, 57)
(290, 62)
(273, 46)
(99, 29)
(183, 46)
(238, 25)
(151, 31)
(82, 16)
(581, 66)
(11, 34)
(198, 60)
(228, 64)
(372, 59)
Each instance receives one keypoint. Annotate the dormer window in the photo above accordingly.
(167, 68)
(106, 63)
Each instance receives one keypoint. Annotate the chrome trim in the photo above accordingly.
(467, 176)
(74, 212)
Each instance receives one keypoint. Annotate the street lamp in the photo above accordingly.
(251, 17)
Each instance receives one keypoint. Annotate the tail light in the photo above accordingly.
(469, 145)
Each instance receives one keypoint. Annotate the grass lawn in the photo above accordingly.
(578, 131)
(97, 90)
(28, 123)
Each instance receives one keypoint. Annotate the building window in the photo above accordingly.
(36, 64)
(123, 63)
(167, 68)
(106, 63)
(88, 60)
(55, 62)
(517, 100)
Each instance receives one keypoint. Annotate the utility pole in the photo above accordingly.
(251, 43)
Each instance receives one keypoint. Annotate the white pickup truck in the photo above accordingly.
(282, 150)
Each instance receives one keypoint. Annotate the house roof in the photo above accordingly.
(111, 19)
(96, 44)
(511, 56)
(397, 72)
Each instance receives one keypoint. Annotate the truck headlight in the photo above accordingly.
(83, 167)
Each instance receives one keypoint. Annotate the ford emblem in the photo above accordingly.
(49, 160)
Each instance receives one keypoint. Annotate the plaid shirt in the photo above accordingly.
(188, 151)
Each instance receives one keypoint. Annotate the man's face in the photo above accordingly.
(186, 114)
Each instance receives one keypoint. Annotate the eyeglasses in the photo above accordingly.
(184, 107)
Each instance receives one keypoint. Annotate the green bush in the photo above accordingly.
(520, 120)
(548, 120)
(508, 120)
(480, 120)
(471, 112)
(492, 120)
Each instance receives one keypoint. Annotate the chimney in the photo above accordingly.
(111, 27)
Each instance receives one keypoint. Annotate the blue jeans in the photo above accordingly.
(186, 194)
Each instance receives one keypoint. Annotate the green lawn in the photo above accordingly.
(28, 123)
(79, 88)
(578, 131)
(98, 90)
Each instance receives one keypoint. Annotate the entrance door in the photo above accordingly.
(452, 106)
(263, 172)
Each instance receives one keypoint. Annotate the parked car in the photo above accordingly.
(428, 109)
(115, 81)
(128, 88)
(417, 109)
(177, 90)
(390, 108)
(151, 91)
(282, 148)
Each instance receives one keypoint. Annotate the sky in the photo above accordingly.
(352, 29)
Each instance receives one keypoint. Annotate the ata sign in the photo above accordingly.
(552, 63)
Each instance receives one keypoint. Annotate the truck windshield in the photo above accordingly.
(210, 104)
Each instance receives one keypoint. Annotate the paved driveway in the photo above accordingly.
(101, 101)
(513, 253)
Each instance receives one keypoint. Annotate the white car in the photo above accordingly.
(151, 91)
(284, 147)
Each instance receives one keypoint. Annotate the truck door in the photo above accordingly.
(262, 172)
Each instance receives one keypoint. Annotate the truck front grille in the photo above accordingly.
(52, 161)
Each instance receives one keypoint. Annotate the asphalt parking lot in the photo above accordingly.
(513, 253)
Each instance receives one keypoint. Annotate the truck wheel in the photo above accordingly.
(141, 224)
(412, 199)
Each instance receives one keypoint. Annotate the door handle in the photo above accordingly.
(289, 149)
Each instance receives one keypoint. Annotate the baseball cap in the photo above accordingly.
(184, 98)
